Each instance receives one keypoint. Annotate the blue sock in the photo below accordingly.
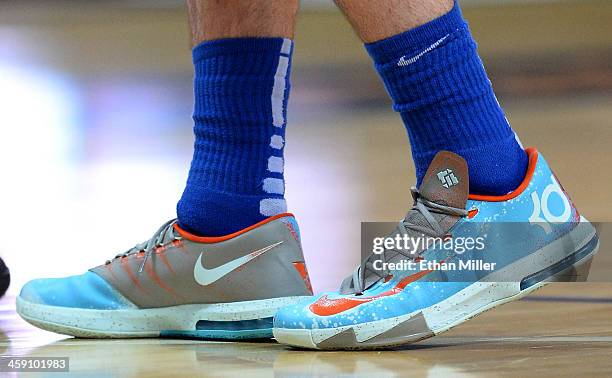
(236, 176)
(439, 86)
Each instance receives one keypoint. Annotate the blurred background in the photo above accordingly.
(96, 139)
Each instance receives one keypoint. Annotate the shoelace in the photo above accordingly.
(156, 241)
(433, 228)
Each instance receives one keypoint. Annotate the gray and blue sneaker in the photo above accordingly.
(179, 285)
(519, 242)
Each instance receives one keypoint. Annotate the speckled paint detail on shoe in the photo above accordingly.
(416, 304)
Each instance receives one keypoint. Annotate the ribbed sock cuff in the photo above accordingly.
(228, 46)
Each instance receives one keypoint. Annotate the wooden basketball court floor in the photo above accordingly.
(563, 330)
(129, 69)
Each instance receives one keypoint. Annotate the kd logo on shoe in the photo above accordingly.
(542, 213)
(205, 276)
(447, 178)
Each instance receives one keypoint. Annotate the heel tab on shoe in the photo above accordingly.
(216, 239)
(292, 226)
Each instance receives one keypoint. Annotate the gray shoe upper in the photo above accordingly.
(262, 262)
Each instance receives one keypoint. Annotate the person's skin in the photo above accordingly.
(216, 19)
(380, 19)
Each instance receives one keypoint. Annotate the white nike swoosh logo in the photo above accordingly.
(406, 62)
(205, 276)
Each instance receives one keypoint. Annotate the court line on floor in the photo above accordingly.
(567, 299)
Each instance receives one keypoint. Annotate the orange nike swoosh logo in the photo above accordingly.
(326, 307)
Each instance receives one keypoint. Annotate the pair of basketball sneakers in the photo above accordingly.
(254, 283)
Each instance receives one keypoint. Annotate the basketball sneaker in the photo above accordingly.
(520, 242)
(179, 285)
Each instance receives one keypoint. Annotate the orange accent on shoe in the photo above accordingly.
(178, 244)
(300, 266)
(532, 153)
(164, 259)
(472, 213)
(125, 264)
(149, 269)
(109, 267)
(217, 239)
(326, 307)
(292, 231)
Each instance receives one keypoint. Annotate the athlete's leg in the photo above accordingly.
(374, 21)
(242, 58)
(185, 281)
(428, 61)
(427, 58)
(215, 19)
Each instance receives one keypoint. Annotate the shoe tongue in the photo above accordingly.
(446, 181)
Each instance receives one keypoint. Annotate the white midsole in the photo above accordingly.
(143, 322)
(463, 305)
(436, 321)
